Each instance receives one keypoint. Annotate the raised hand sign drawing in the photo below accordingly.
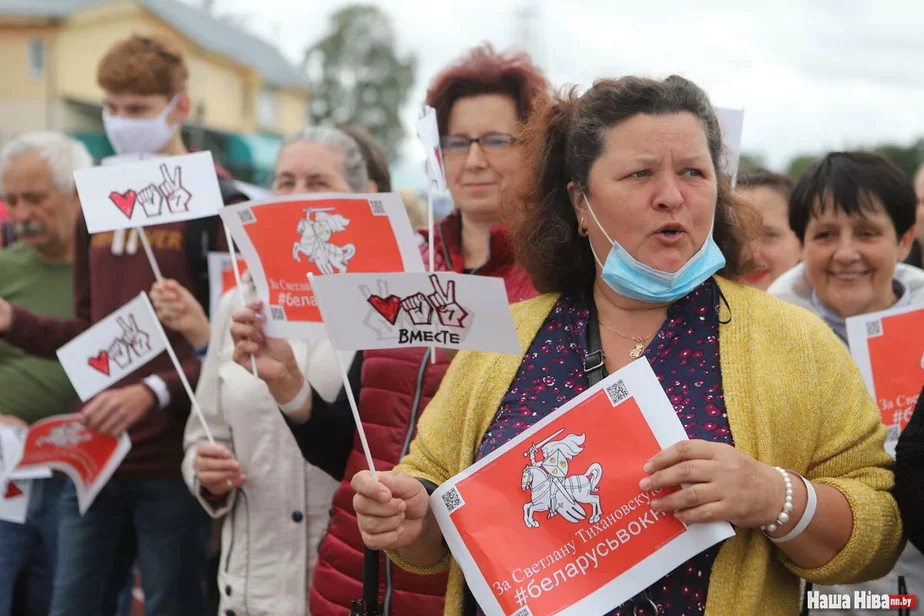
(173, 190)
(149, 191)
(135, 338)
(119, 352)
(418, 309)
(552, 489)
(151, 200)
(450, 313)
(315, 241)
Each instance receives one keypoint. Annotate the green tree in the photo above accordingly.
(358, 76)
(799, 164)
(749, 161)
(905, 158)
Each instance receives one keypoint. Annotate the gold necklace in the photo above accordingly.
(636, 351)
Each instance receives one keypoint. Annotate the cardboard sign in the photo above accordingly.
(447, 310)
(283, 240)
(151, 191)
(429, 133)
(732, 121)
(113, 348)
(553, 522)
(888, 347)
(63, 443)
(221, 279)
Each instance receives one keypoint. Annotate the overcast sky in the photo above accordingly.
(811, 76)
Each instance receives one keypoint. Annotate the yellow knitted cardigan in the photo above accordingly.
(794, 399)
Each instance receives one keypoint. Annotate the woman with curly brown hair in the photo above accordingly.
(631, 233)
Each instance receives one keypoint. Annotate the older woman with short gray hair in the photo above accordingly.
(320, 159)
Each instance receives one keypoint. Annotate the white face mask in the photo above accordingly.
(131, 136)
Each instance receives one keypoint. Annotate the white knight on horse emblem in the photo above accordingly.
(315, 241)
(552, 489)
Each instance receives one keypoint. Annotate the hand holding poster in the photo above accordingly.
(148, 192)
(562, 502)
(285, 239)
(888, 347)
(443, 309)
(113, 348)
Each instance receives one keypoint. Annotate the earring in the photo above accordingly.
(582, 230)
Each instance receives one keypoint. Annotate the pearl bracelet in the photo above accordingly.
(783, 518)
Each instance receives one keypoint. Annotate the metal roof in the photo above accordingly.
(204, 30)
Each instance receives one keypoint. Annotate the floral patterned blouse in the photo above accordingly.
(684, 355)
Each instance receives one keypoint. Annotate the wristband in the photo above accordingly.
(811, 505)
(298, 401)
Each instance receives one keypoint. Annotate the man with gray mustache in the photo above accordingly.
(37, 185)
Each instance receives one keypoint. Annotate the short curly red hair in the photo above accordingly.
(486, 71)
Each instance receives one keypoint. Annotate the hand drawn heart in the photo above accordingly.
(100, 362)
(124, 201)
(388, 307)
(439, 158)
(12, 491)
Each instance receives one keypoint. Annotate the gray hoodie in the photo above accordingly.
(794, 287)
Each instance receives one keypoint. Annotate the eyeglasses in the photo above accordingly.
(489, 142)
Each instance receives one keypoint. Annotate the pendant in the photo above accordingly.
(636, 351)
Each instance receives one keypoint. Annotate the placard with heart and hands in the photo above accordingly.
(442, 309)
(113, 348)
(148, 192)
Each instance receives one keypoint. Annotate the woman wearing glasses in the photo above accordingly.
(480, 103)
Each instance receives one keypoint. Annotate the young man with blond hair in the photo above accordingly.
(145, 511)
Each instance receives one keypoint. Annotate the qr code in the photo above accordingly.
(277, 313)
(893, 433)
(617, 392)
(246, 216)
(452, 499)
(874, 328)
(378, 208)
(523, 612)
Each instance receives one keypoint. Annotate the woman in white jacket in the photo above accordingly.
(854, 213)
(275, 505)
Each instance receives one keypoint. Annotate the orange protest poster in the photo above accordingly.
(285, 240)
(63, 443)
(554, 522)
(221, 279)
(888, 347)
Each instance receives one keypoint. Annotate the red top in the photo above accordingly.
(396, 387)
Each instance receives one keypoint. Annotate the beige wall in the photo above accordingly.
(291, 111)
(17, 82)
(85, 38)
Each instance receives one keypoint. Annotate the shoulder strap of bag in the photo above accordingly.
(594, 366)
(595, 369)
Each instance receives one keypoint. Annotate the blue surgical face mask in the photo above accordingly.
(635, 280)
